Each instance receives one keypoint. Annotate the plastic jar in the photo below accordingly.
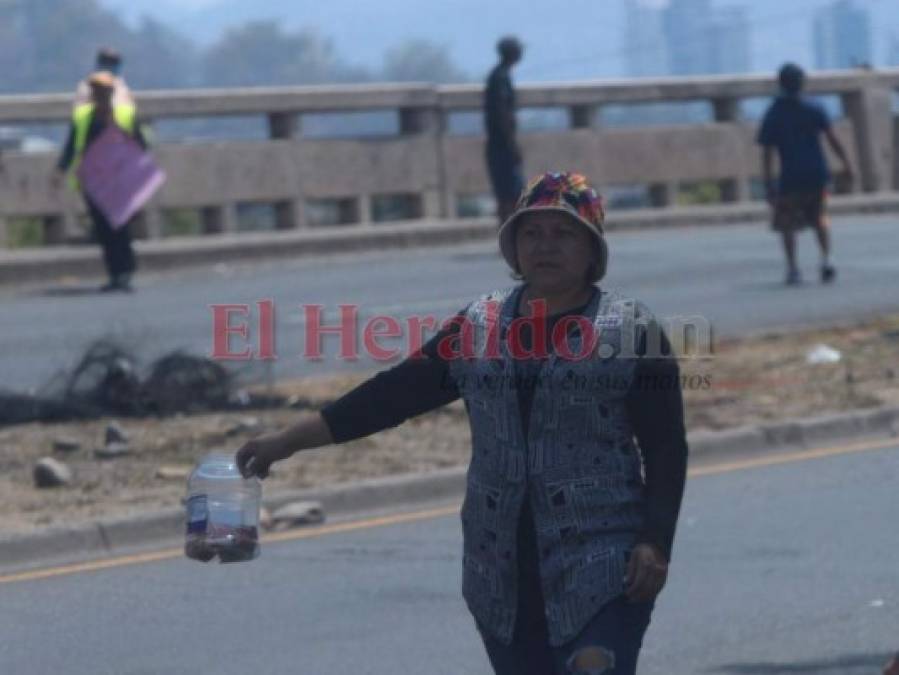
(222, 511)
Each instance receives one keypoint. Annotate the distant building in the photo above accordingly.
(686, 35)
(702, 39)
(728, 41)
(842, 36)
(893, 51)
(646, 54)
(679, 37)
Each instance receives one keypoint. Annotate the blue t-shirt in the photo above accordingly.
(793, 125)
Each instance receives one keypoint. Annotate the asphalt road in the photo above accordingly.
(731, 275)
(779, 568)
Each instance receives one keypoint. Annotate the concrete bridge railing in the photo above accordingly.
(430, 170)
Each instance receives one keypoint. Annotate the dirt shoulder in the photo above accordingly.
(759, 379)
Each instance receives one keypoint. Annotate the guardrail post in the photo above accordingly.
(446, 198)
(430, 121)
(363, 209)
(419, 121)
(732, 189)
(896, 153)
(287, 126)
(283, 125)
(726, 109)
(289, 214)
(663, 194)
(55, 229)
(870, 110)
(219, 219)
(148, 224)
(582, 116)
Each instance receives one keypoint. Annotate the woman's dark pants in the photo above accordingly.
(118, 254)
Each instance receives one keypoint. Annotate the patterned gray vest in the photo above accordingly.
(577, 463)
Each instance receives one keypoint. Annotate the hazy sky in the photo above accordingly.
(579, 39)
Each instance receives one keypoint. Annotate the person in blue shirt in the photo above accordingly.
(792, 127)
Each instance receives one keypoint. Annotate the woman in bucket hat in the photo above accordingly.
(578, 444)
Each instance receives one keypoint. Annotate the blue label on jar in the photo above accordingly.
(197, 514)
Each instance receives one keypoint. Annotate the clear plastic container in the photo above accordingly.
(222, 512)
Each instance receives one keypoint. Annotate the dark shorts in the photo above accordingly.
(611, 639)
(506, 175)
(797, 210)
(610, 643)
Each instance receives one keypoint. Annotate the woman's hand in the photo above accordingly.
(647, 571)
(257, 455)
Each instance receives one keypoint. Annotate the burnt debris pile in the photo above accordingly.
(108, 380)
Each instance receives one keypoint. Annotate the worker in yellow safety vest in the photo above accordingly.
(89, 120)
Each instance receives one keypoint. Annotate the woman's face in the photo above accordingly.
(554, 251)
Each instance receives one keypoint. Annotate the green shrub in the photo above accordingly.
(24, 232)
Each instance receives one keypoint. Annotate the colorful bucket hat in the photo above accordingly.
(564, 192)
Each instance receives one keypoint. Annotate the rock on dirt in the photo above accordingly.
(115, 433)
(49, 472)
(173, 472)
(112, 451)
(66, 445)
(246, 425)
(296, 514)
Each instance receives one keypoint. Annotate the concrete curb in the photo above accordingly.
(158, 255)
(796, 434)
(744, 212)
(107, 537)
(84, 261)
(166, 526)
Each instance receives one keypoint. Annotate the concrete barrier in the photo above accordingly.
(427, 168)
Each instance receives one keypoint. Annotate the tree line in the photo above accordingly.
(48, 45)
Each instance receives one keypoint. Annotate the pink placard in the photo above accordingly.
(118, 175)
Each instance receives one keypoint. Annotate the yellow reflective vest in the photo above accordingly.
(125, 117)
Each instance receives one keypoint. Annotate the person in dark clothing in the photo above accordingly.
(792, 127)
(579, 449)
(503, 154)
(89, 121)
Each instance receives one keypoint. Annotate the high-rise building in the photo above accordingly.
(645, 52)
(842, 36)
(728, 41)
(702, 39)
(686, 28)
(893, 51)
